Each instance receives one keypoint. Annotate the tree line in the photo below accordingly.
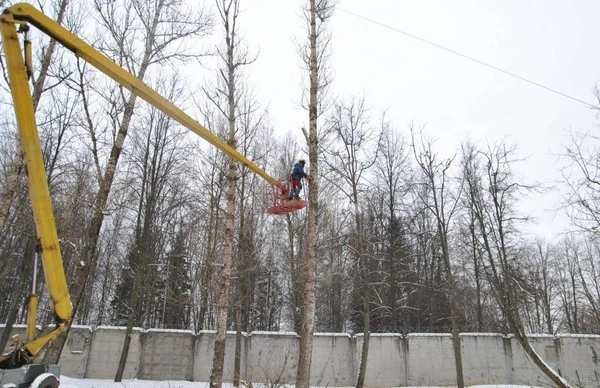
(159, 230)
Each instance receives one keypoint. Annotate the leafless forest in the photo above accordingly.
(141, 204)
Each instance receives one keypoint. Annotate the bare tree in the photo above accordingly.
(588, 272)
(350, 157)
(474, 252)
(226, 97)
(253, 135)
(314, 55)
(442, 203)
(157, 164)
(568, 285)
(164, 24)
(583, 198)
(393, 177)
(493, 196)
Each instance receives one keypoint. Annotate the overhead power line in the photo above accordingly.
(468, 57)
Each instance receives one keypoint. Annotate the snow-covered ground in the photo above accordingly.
(68, 382)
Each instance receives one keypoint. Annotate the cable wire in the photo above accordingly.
(468, 57)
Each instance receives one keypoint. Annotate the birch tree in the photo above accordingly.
(226, 97)
(314, 55)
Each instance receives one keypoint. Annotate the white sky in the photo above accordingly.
(552, 42)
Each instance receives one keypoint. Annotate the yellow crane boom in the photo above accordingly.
(21, 15)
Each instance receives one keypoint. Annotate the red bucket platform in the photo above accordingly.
(281, 203)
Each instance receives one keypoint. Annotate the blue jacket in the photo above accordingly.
(298, 171)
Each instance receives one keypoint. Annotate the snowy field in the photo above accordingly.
(67, 382)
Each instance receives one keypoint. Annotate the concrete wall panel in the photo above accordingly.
(580, 358)
(167, 355)
(272, 359)
(74, 357)
(386, 362)
(523, 369)
(485, 360)
(105, 352)
(203, 356)
(430, 360)
(332, 360)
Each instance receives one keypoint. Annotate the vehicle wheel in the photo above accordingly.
(45, 380)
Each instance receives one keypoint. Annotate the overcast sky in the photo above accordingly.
(555, 43)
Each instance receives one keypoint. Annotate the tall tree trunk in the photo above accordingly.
(309, 302)
(224, 300)
(216, 376)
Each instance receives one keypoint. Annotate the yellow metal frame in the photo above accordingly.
(21, 14)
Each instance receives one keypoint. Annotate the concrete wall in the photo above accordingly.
(105, 352)
(272, 358)
(75, 355)
(386, 361)
(203, 356)
(333, 360)
(175, 361)
(486, 358)
(394, 360)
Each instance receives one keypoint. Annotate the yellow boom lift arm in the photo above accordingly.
(20, 15)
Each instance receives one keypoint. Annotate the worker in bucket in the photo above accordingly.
(298, 174)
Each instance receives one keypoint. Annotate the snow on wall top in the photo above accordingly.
(333, 335)
(379, 335)
(85, 327)
(285, 333)
(323, 334)
(120, 328)
(179, 331)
